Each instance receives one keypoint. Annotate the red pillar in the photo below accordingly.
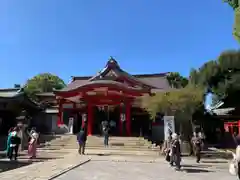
(120, 119)
(60, 113)
(238, 127)
(128, 118)
(231, 128)
(90, 119)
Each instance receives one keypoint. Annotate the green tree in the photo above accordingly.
(44, 82)
(235, 4)
(176, 80)
(181, 103)
(222, 76)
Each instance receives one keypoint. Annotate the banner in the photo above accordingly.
(169, 126)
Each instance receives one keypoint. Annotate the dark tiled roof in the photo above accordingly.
(106, 83)
(17, 94)
(152, 81)
(11, 92)
(157, 80)
(160, 82)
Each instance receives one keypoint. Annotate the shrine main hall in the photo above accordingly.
(113, 95)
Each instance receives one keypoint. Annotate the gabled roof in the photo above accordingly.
(112, 71)
(10, 93)
(17, 94)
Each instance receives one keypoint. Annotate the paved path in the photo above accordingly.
(44, 170)
(146, 168)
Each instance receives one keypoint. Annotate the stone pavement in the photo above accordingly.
(44, 170)
(105, 165)
(147, 168)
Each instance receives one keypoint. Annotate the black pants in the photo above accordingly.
(198, 156)
(177, 161)
(81, 149)
(13, 150)
(238, 173)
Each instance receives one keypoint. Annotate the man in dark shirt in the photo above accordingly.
(82, 138)
(105, 130)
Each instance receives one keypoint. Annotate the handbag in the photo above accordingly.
(167, 158)
(233, 168)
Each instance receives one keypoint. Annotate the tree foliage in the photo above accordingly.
(221, 76)
(180, 103)
(44, 82)
(176, 80)
(235, 4)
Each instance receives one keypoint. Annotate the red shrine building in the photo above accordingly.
(112, 95)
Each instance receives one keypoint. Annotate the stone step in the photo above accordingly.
(118, 152)
(101, 145)
(101, 141)
(108, 148)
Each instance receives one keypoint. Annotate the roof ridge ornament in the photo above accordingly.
(112, 63)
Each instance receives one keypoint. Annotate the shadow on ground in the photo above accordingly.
(214, 161)
(98, 154)
(10, 165)
(195, 166)
(7, 165)
(195, 170)
(39, 159)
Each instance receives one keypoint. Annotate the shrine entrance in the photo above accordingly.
(106, 113)
(110, 95)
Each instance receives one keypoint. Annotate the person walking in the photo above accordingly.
(105, 133)
(167, 150)
(32, 145)
(14, 142)
(82, 138)
(176, 151)
(197, 145)
(236, 162)
(9, 141)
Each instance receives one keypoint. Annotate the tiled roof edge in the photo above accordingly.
(135, 75)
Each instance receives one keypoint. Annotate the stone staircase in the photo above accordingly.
(117, 145)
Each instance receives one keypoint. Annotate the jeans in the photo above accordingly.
(106, 137)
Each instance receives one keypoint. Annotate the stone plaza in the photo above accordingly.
(147, 168)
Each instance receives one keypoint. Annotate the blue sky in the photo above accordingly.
(76, 37)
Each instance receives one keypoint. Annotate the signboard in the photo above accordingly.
(169, 126)
(70, 125)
